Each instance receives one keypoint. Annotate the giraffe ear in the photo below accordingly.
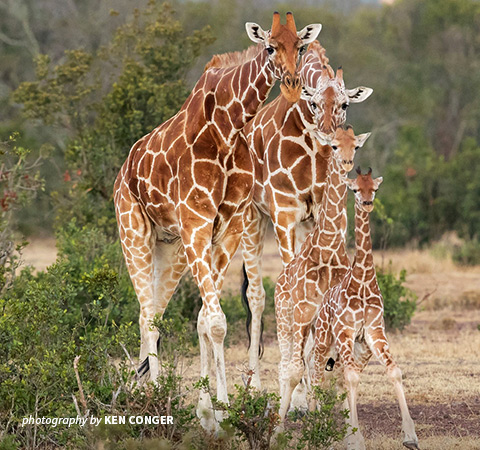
(255, 32)
(309, 33)
(359, 94)
(377, 182)
(361, 138)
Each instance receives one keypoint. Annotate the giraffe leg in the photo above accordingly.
(222, 254)
(137, 239)
(284, 319)
(284, 225)
(321, 347)
(378, 343)
(252, 243)
(211, 326)
(351, 378)
(302, 319)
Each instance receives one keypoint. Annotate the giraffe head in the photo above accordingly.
(328, 101)
(364, 188)
(344, 144)
(283, 45)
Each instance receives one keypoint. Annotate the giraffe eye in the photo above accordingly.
(357, 147)
(355, 191)
(313, 105)
(302, 49)
(345, 106)
(334, 147)
(270, 50)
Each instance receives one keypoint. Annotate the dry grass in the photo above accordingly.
(40, 253)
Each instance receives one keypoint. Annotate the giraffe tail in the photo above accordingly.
(249, 314)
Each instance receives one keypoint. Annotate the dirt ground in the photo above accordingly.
(439, 353)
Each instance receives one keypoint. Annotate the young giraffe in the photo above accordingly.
(181, 194)
(290, 172)
(350, 322)
(320, 263)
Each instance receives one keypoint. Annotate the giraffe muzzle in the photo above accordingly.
(347, 165)
(291, 87)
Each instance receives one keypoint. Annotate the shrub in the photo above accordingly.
(399, 302)
(19, 183)
(324, 426)
(252, 415)
(468, 253)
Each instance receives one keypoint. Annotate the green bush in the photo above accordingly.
(468, 253)
(324, 426)
(399, 302)
(252, 415)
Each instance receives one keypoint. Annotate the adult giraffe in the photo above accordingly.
(290, 172)
(181, 194)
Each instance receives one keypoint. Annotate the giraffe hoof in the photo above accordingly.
(412, 445)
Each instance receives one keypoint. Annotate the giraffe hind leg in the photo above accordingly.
(169, 267)
(377, 341)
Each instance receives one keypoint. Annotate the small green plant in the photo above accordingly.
(399, 302)
(252, 414)
(324, 426)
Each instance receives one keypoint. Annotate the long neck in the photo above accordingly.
(312, 69)
(332, 220)
(363, 263)
(252, 82)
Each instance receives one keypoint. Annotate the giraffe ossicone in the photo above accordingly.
(350, 326)
(182, 193)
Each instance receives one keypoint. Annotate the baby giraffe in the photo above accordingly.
(350, 322)
(320, 263)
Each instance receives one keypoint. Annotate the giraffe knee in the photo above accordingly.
(295, 374)
(395, 374)
(218, 329)
(352, 377)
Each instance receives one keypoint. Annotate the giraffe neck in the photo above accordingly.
(364, 267)
(256, 81)
(312, 68)
(332, 220)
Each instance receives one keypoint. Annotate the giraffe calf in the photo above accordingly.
(350, 322)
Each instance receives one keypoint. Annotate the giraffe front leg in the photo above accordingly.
(284, 225)
(351, 378)
(378, 343)
(303, 315)
(212, 326)
(252, 243)
(223, 253)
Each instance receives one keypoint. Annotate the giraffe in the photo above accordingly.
(320, 263)
(290, 173)
(181, 195)
(350, 323)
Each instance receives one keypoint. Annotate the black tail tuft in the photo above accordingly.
(249, 314)
(144, 367)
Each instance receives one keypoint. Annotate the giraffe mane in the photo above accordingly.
(320, 51)
(232, 59)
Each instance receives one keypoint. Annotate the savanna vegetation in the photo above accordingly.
(81, 81)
